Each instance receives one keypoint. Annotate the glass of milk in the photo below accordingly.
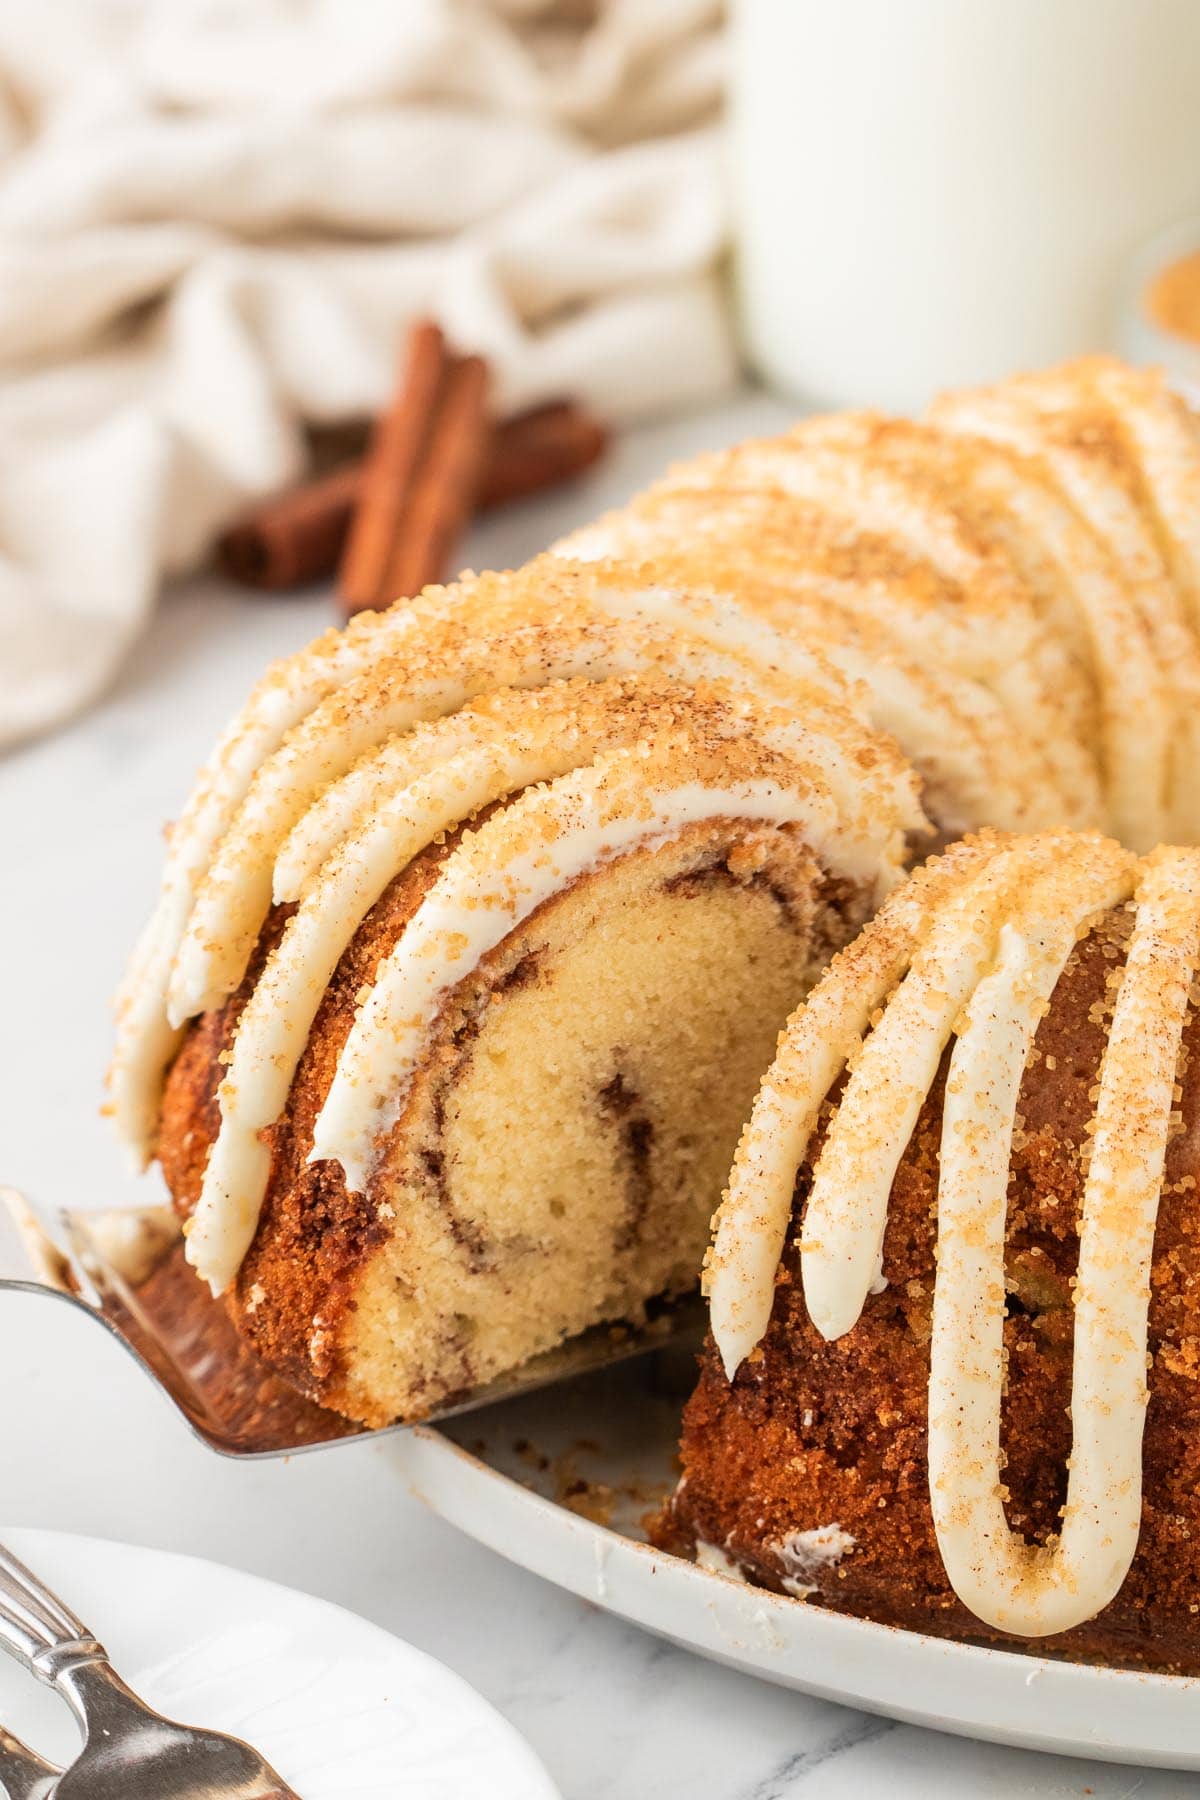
(931, 193)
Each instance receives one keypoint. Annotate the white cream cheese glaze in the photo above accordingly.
(747, 533)
(145, 1039)
(470, 655)
(952, 727)
(1008, 1583)
(654, 658)
(1008, 643)
(1076, 587)
(752, 1222)
(1162, 433)
(803, 1554)
(1064, 419)
(891, 1076)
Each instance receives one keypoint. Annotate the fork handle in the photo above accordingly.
(36, 1628)
(47, 1639)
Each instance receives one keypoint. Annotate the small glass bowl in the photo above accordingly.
(1138, 336)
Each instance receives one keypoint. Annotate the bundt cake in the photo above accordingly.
(483, 920)
(959, 1252)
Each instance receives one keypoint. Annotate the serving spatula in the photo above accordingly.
(125, 1268)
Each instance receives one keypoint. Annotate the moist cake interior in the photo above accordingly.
(561, 1154)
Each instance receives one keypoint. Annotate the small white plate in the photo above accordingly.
(607, 1443)
(338, 1706)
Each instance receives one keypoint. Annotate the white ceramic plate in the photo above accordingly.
(337, 1705)
(607, 1443)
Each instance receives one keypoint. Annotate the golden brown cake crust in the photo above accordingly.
(812, 1434)
(314, 1236)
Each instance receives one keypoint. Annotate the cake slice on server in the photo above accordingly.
(477, 983)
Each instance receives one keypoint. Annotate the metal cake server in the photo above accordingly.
(130, 1752)
(126, 1269)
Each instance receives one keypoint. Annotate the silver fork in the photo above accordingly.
(129, 1752)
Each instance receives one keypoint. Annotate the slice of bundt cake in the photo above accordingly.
(316, 714)
(959, 1254)
(485, 964)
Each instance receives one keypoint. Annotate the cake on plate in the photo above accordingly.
(484, 919)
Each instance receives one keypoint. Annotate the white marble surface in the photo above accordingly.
(89, 1446)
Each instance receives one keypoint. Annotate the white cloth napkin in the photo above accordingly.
(216, 217)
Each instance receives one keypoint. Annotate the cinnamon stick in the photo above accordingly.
(443, 488)
(537, 449)
(298, 537)
(397, 445)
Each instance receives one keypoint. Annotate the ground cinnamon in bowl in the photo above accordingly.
(1173, 297)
